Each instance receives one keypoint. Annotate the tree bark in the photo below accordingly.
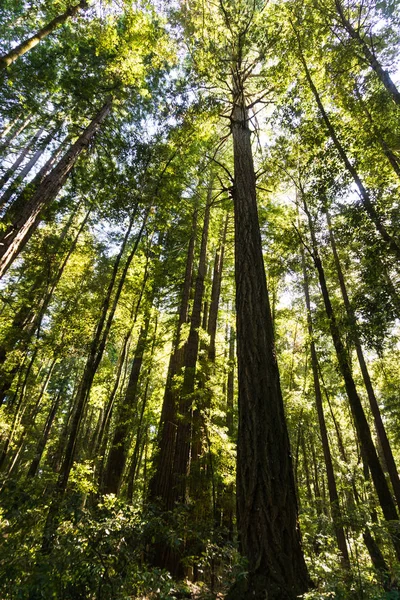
(45, 436)
(7, 59)
(216, 292)
(181, 466)
(266, 496)
(24, 221)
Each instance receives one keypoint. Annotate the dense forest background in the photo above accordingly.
(193, 193)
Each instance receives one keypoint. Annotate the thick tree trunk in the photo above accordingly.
(379, 426)
(266, 496)
(363, 193)
(24, 221)
(7, 59)
(369, 55)
(330, 473)
(361, 423)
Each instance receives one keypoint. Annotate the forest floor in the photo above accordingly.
(197, 592)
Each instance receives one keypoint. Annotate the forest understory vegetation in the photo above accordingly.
(199, 299)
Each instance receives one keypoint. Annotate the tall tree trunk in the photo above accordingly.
(364, 194)
(164, 454)
(45, 436)
(24, 221)
(178, 435)
(7, 59)
(361, 423)
(216, 292)
(369, 55)
(141, 427)
(330, 473)
(379, 426)
(181, 466)
(266, 495)
(119, 445)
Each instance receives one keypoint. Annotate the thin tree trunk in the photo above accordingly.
(92, 363)
(370, 57)
(216, 292)
(362, 426)
(25, 221)
(7, 59)
(45, 436)
(364, 195)
(119, 445)
(181, 466)
(333, 494)
(13, 188)
(20, 158)
(164, 455)
(135, 462)
(379, 426)
(266, 494)
(15, 133)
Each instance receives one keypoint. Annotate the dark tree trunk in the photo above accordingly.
(330, 473)
(7, 59)
(141, 428)
(266, 496)
(24, 221)
(361, 423)
(379, 426)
